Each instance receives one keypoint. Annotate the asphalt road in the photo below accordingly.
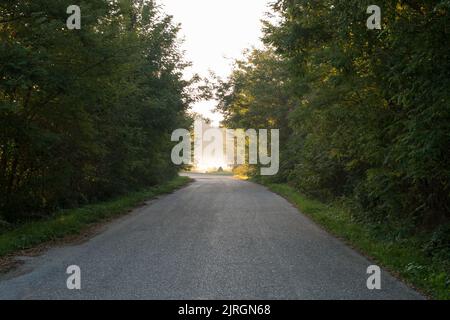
(218, 238)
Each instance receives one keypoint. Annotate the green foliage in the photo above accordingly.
(438, 245)
(257, 95)
(364, 113)
(85, 114)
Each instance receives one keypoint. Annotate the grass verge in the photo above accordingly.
(404, 258)
(74, 221)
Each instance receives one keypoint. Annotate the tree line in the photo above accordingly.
(364, 115)
(86, 114)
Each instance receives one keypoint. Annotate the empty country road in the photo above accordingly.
(218, 238)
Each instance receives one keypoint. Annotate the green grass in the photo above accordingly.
(74, 221)
(404, 258)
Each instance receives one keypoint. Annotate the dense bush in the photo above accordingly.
(85, 114)
(368, 111)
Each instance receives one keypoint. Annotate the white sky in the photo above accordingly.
(215, 33)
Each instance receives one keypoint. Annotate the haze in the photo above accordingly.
(215, 33)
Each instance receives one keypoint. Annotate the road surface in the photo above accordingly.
(218, 238)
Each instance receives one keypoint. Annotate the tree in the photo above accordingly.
(367, 110)
(85, 114)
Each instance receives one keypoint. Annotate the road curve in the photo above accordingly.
(218, 238)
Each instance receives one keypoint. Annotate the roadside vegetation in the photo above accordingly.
(86, 115)
(364, 122)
